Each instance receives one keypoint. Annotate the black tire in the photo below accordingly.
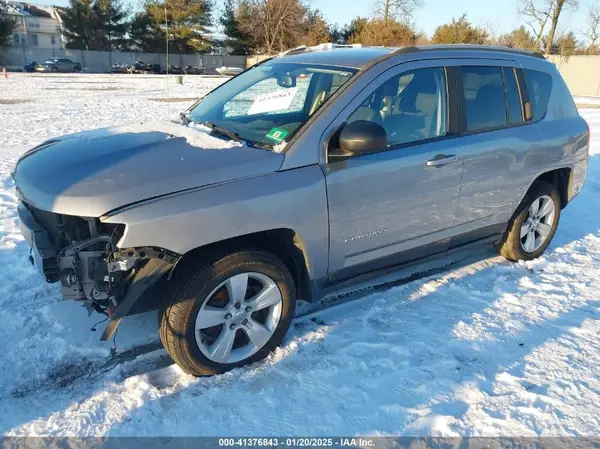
(76, 69)
(511, 247)
(54, 70)
(189, 290)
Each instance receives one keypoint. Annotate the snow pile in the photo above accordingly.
(195, 136)
(493, 348)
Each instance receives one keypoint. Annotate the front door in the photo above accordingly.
(399, 203)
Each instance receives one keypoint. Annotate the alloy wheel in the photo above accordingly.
(238, 318)
(538, 223)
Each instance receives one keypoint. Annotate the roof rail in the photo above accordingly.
(470, 47)
(319, 47)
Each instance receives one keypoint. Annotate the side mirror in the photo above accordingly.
(362, 137)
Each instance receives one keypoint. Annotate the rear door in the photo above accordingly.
(499, 149)
(399, 203)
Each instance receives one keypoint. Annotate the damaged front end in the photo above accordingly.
(82, 254)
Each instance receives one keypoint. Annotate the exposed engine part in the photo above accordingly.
(122, 264)
(81, 253)
(68, 278)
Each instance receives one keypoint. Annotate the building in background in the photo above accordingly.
(217, 43)
(37, 26)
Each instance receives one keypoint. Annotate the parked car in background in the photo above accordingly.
(142, 67)
(229, 71)
(30, 66)
(193, 70)
(118, 68)
(58, 65)
(176, 70)
(311, 171)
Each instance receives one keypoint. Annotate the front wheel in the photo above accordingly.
(228, 312)
(534, 225)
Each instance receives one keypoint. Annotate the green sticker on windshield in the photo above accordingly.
(277, 134)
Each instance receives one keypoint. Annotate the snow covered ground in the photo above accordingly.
(493, 348)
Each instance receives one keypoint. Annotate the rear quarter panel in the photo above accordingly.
(564, 133)
(291, 199)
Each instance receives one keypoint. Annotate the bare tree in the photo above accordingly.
(396, 9)
(593, 28)
(490, 35)
(559, 6)
(542, 13)
(274, 24)
(537, 14)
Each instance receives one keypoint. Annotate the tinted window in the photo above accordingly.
(267, 104)
(513, 98)
(561, 105)
(539, 85)
(483, 92)
(410, 106)
(244, 103)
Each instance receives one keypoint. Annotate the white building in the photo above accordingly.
(37, 26)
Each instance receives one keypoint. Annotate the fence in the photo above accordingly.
(100, 61)
(581, 73)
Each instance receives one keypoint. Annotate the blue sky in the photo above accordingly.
(500, 14)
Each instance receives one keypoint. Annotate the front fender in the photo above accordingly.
(292, 199)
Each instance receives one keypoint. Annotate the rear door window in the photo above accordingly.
(539, 86)
(483, 94)
(513, 97)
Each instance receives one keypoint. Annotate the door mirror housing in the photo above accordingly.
(362, 137)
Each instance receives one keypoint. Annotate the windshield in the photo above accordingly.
(266, 105)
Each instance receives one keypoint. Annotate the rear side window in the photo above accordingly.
(539, 85)
(483, 93)
(513, 97)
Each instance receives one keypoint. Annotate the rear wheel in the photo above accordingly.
(229, 312)
(534, 225)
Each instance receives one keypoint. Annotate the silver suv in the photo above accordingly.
(296, 176)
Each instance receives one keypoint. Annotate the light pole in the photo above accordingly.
(167, 36)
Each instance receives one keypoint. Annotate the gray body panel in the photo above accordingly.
(91, 173)
(292, 199)
(353, 214)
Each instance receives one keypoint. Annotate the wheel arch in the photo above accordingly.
(284, 243)
(560, 178)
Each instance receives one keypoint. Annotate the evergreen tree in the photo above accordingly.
(237, 40)
(317, 29)
(187, 20)
(111, 24)
(564, 45)
(78, 24)
(386, 33)
(459, 32)
(144, 35)
(519, 38)
(343, 34)
(7, 25)
(95, 24)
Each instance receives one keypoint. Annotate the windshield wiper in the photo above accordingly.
(223, 131)
(184, 118)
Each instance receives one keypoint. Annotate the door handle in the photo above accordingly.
(441, 159)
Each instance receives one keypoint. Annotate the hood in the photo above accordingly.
(91, 173)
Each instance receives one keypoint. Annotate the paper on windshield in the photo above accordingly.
(273, 101)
